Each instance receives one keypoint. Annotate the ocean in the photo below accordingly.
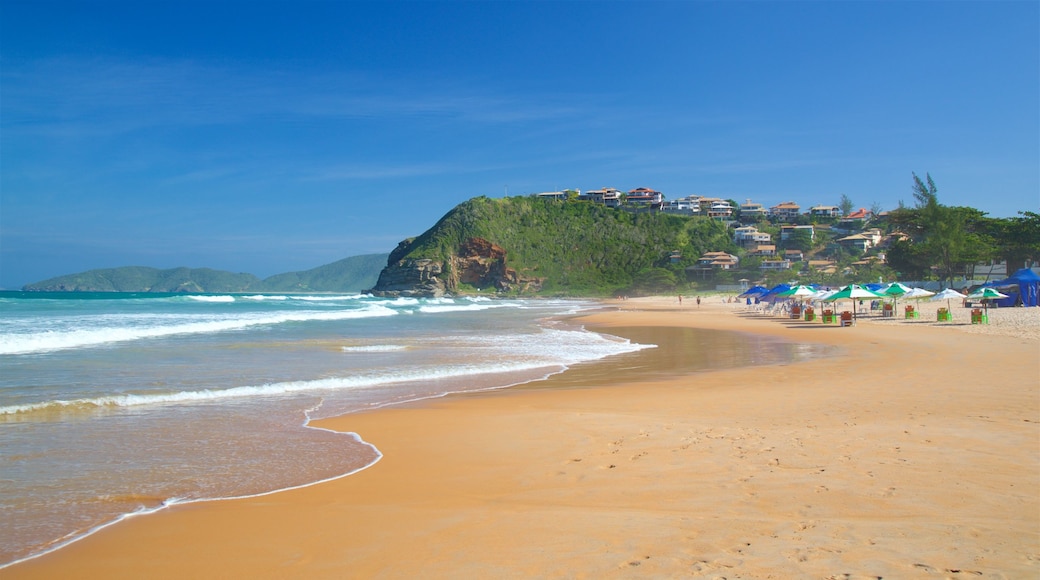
(114, 405)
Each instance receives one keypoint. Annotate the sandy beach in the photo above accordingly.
(912, 450)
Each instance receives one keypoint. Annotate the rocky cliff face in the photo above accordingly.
(477, 263)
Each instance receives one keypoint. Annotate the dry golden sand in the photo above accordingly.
(912, 452)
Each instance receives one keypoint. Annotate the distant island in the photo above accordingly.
(352, 274)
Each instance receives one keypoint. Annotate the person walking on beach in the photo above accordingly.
(680, 300)
(698, 302)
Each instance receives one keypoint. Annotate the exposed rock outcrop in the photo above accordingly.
(476, 262)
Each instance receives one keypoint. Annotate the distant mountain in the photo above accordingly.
(352, 274)
(347, 275)
(144, 279)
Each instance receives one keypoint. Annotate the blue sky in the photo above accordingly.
(268, 137)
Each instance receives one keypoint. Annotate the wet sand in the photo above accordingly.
(911, 451)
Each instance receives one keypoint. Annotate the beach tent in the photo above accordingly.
(771, 296)
(753, 292)
(1028, 288)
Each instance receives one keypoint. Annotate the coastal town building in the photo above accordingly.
(645, 196)
(787, 210)
(749, 237)
(764, 250)
(751, 212)
(718, 261)
(775, 264)
(787, 230)
(608, 196)
(684, 205)
(856, 219)
(794, 255)
(720, 210)
(555, 195)
(825, 211)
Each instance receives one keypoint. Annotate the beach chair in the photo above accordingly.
(911, 312)
(944, 315)
(847, 319)
(977, 317)
(810, 314)
(828, 317)
(888, 311)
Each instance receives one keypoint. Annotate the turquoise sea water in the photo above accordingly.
(117, 404)
(112, 404)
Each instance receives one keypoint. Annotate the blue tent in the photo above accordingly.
(771, 295)
(1028, 284)
(754, 291)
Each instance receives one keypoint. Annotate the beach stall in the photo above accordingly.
(851, 292)
(893, 291)
(1022, 287)
(946, 314)
(978, 316)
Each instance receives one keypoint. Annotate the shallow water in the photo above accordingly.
(115, 404)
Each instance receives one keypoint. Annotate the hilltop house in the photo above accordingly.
(764, 250)
(555, 195)
(720, 210)
(752, 212)
(684, 205)
(855, 219)
(862, 241)
(786, 211)
(786, 231)
(718, 260)
(645, 196)
(775, 264)
(825, 211)
(749, 237)
(608, 196)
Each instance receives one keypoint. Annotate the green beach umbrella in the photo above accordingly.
(852, 292)
(796, 292)
(894, 291)
(985, 294)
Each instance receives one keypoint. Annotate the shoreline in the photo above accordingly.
(656, 477)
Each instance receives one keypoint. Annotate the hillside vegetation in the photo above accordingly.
(575, 247)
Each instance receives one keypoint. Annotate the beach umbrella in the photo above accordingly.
(797, 292)
(852, 292)
(894, 291)
(754, 291)
(985, 294)
(947, 295)
(918, 294)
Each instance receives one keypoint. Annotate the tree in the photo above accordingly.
(1014, 240)
(845, 205)
(945, 238)
(799, 239)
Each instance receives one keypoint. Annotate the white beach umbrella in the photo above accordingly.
(918, 294)
(947, 295)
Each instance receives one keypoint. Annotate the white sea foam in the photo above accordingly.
(437, 309)
(50, 340)
(211, 298)
(375, 348)
(552, 348)
(329, 298)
